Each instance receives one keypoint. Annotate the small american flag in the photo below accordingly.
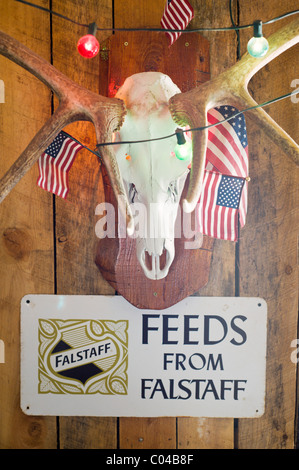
(55, 163)
(177, 15)
(223, 202)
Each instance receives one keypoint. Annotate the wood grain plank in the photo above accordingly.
(268, 258)
(205, 433)
(26, 228)
(75, 220)
(214, 433)
(268, 249)
(134, 13)
(138, 14)
(147, 433)
(88, 433)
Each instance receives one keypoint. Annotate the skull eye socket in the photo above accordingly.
(132, 192)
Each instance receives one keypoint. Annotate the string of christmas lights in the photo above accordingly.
(88, 45)
(195, 129)
(196, 30)
(257, 47)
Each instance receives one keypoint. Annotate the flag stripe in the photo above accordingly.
(62, 167)
(223, 202)
(172, 16)
(56, 182)
(215, 220)
(243, 205)
(226, 134)
(55, 163)
(219, 147)
(177, 15)
(181, 15)
(67, 168)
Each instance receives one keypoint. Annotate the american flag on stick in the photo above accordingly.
(55, 163)
(177, 15)
(223, 202)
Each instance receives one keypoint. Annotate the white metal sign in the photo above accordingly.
(101, 356)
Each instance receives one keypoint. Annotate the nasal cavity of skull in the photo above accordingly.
(149, 260)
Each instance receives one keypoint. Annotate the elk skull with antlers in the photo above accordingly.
(107, 114)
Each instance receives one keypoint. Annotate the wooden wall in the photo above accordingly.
(47, 245)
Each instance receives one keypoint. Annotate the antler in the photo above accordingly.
(230, 87)
(107, 114)
(75, 103)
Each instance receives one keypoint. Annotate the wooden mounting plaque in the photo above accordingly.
(187, 64)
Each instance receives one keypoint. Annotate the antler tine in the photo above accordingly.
(75, 103)
(230, 87)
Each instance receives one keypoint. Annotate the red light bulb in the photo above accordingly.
(88, 45)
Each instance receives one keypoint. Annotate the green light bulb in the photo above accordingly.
(183, 152)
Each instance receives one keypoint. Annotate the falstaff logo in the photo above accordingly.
(83, 356)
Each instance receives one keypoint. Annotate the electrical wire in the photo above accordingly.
(82, 145)
(196, 30)
(237, 31)
(233, 28)
(195, 129)
(47, 10)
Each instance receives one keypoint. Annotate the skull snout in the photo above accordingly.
(155, 256)
(156, 250)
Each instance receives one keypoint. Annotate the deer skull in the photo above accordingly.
(154, 178)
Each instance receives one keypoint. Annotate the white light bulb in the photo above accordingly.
(257, 46)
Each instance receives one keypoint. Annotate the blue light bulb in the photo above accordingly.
(257, 46)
